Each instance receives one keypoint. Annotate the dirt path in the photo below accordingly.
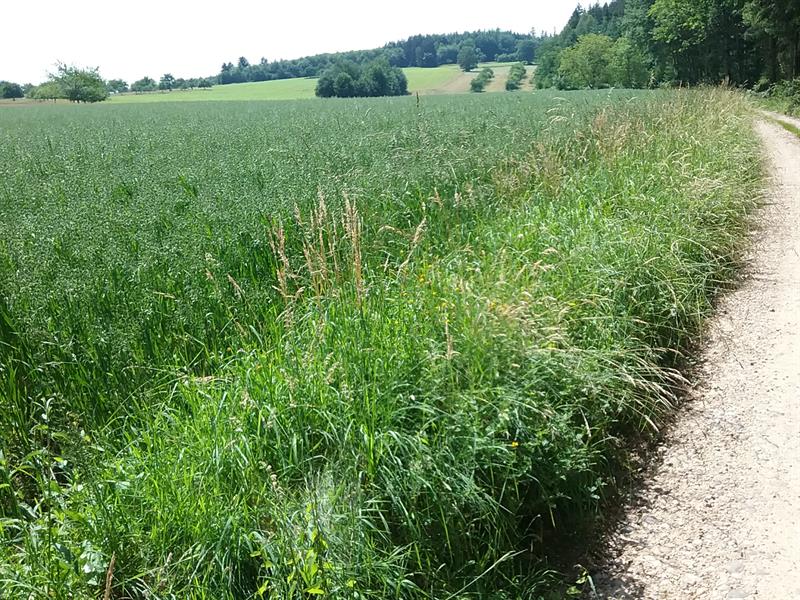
(720, 517)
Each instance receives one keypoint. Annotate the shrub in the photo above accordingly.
(481, 80)
(515, 77)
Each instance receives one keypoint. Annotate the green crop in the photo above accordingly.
(351, 349)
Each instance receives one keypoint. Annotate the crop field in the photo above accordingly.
(362, 349)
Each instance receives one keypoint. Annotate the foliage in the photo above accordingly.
(479, 82)
(49, 90)
(783, 96)
(597, 61)
(467, 56)
(367, 349)
(515, 76)
(775, 25)
(116, 86)
(349, 80)
(417, 51)
(145, 84)
(9, 90)
(167, 82)
(680, 41)
(526, 50)
(80, 85)
(627, 65)
(549, 62)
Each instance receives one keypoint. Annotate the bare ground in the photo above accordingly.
(720, 516)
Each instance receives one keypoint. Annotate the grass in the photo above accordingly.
(426, 80)
(353, 349)
(419, 80)
(282, 89)
(787, 126)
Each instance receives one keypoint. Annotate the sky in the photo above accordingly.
(131, 39)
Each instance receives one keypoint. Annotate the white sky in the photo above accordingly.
(131, 39)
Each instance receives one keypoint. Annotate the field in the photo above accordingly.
(282, 89)
(439, 80)
(384, 348)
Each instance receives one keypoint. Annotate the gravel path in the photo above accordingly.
(720, 517)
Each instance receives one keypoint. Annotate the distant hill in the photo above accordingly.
(416, 51)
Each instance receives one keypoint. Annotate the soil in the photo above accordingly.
(719, 517)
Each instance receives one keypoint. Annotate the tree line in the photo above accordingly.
(622, 43)
(416, 51)
(636, 43)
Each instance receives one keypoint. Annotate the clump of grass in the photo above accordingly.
(424, 389)
(788, 126)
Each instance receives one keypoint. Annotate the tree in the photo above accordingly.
(467, 57)
(447, 54)
(116, 86)
(243, 62)
(145, 84)
(526, 50)
(325, 87)
(344, 86)
(49, 90)
(167, 82)
(775, 24)
(549, 59)
(346, 79)
(80, 85)
(628, 65)
(11, 90)
(586, 64)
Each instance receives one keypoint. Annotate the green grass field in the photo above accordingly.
(283, 89)
(361, 349)
(422, 80)
(419, 80)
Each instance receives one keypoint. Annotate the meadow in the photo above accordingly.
(384, 348)
(445, 79)
(420, 80)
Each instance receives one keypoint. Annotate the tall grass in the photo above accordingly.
(380, 350)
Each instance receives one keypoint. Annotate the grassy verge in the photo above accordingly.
(787, 126)
(407, 391)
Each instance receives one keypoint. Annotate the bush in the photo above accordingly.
(515, 77)
(483, 78)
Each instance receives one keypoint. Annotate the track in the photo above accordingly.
(720, 517)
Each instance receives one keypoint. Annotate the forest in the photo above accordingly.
(638, 43)
(416, 51)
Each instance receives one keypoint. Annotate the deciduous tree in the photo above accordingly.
(467, 57)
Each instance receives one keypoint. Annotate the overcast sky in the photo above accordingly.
(130, 39)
